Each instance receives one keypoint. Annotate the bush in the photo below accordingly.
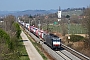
(75, 38)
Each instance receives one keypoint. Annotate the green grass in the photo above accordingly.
(78, 13)
(77, 29)
(76, 38)
(73, 28)
(22, 50)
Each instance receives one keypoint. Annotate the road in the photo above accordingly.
(32, 52)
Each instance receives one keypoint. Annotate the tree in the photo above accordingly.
(86, 24)
(4, 44)
(8, 21)
(67, 16)
(30, 16)
(9, 39)
(4, 37)
(86, 20)
(64, 29)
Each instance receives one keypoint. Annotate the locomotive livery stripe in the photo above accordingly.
(56, 43)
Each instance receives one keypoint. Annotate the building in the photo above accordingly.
(59, 14)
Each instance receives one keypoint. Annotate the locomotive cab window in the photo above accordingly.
(56, 40)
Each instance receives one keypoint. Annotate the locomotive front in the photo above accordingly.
(56, 42)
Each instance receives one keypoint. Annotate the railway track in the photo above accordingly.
(63, 55)
(66, 54)
(75, 53)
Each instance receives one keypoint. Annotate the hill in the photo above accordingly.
(27, 12)
(41, 12)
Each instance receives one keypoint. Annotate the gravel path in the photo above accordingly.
(32, 52)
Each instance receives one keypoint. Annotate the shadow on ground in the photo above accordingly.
(23, 40)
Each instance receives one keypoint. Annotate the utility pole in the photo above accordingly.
(5, 24)
(29, 24)
(68, 18)
(35, 22)
(39, 24)
(47, 25)
(47, 22)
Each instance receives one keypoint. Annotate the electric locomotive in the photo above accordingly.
(53, 41)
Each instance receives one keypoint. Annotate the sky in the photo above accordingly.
(21, 5)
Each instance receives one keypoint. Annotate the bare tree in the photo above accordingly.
(86, 24)
(64, 29)
(8, 21)
(86, 20)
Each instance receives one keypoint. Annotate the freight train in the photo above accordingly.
(51, 40)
